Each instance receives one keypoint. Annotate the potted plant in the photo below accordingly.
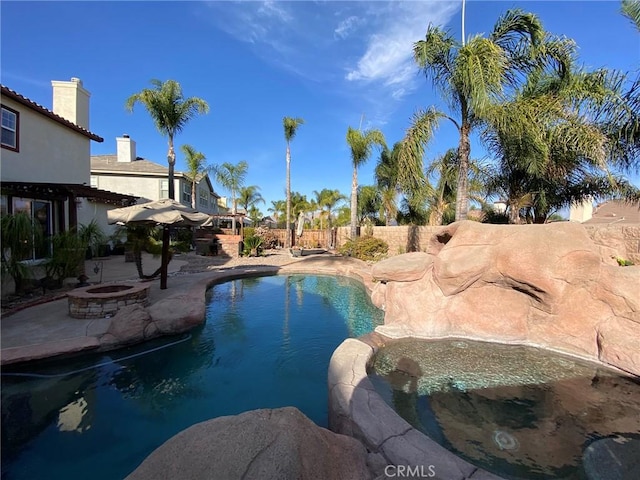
(92, 236)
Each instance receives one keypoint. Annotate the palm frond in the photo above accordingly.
(631, 10)
(411, 151)
(291, 127)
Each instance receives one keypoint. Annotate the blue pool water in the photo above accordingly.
(266, 344)
(519, 412)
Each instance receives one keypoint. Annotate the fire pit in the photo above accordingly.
(100, 301)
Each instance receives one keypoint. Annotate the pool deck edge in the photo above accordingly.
(357, 410)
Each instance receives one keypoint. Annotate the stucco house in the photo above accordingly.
(45, 160)
(127, 173)
(611, 212)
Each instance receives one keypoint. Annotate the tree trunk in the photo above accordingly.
(288, 227)
(234, 210)
(193, 193)
(137, 258)
(462, 193)
(354, 203)
(514, 213)
(171, 159)
(166, 238)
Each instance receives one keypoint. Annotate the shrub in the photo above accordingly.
(67, 258)
(365, 248)
(491, 216)
(252, 246)
(268, 236)
(249, 232)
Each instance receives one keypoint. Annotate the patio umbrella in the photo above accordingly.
(165, 212)
(300, 226)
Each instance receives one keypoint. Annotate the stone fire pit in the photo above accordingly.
(102, 300)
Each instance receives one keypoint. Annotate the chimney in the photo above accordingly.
(126, 149)
(581, 212)
(71, 101)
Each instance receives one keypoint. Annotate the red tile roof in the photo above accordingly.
(15, 96)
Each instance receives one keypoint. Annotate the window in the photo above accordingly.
(186, 192)
(204, 198)
(41, 212)
(10, 124)
(164, 188)
(94, 181)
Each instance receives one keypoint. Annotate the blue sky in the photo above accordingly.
(255, 62)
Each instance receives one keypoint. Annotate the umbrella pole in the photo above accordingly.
(165, 257)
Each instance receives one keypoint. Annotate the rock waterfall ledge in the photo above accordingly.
(541, 285)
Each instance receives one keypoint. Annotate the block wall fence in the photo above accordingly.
(613, 240)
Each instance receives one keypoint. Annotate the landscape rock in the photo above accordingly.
(545, 285)
(403, 268)
(178, 313)
(278, 444)
(127, 326)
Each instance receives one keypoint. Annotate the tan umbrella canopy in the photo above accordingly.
(165, 212)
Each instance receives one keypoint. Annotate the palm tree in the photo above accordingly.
(278, 210)
(290, 127)
(361, 144)
(470, 76)
(441, 197)
(196, 168)
(249, 197)
(328, 199)
(386, 175)
(170, 112)
(255, 215)
(552, 144)
(299, 203)
(231, 177)
(370, 206)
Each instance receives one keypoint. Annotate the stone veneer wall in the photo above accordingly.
(83, 304)
(613, 240)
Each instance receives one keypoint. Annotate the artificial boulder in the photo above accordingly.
(127, 326)
(275, 444)
(545, 285)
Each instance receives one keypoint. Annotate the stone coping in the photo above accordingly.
(84, 293)
(357, 410)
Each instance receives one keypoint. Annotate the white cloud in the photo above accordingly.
(388, 55)
(347, 26)
(359, 50)
(274, 9)
(398, 94)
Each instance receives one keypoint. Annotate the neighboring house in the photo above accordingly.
(46, 161)
(268, 222)
(125, 172)
(611, 212)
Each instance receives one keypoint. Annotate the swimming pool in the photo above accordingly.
(517, 411)
(266, 343)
